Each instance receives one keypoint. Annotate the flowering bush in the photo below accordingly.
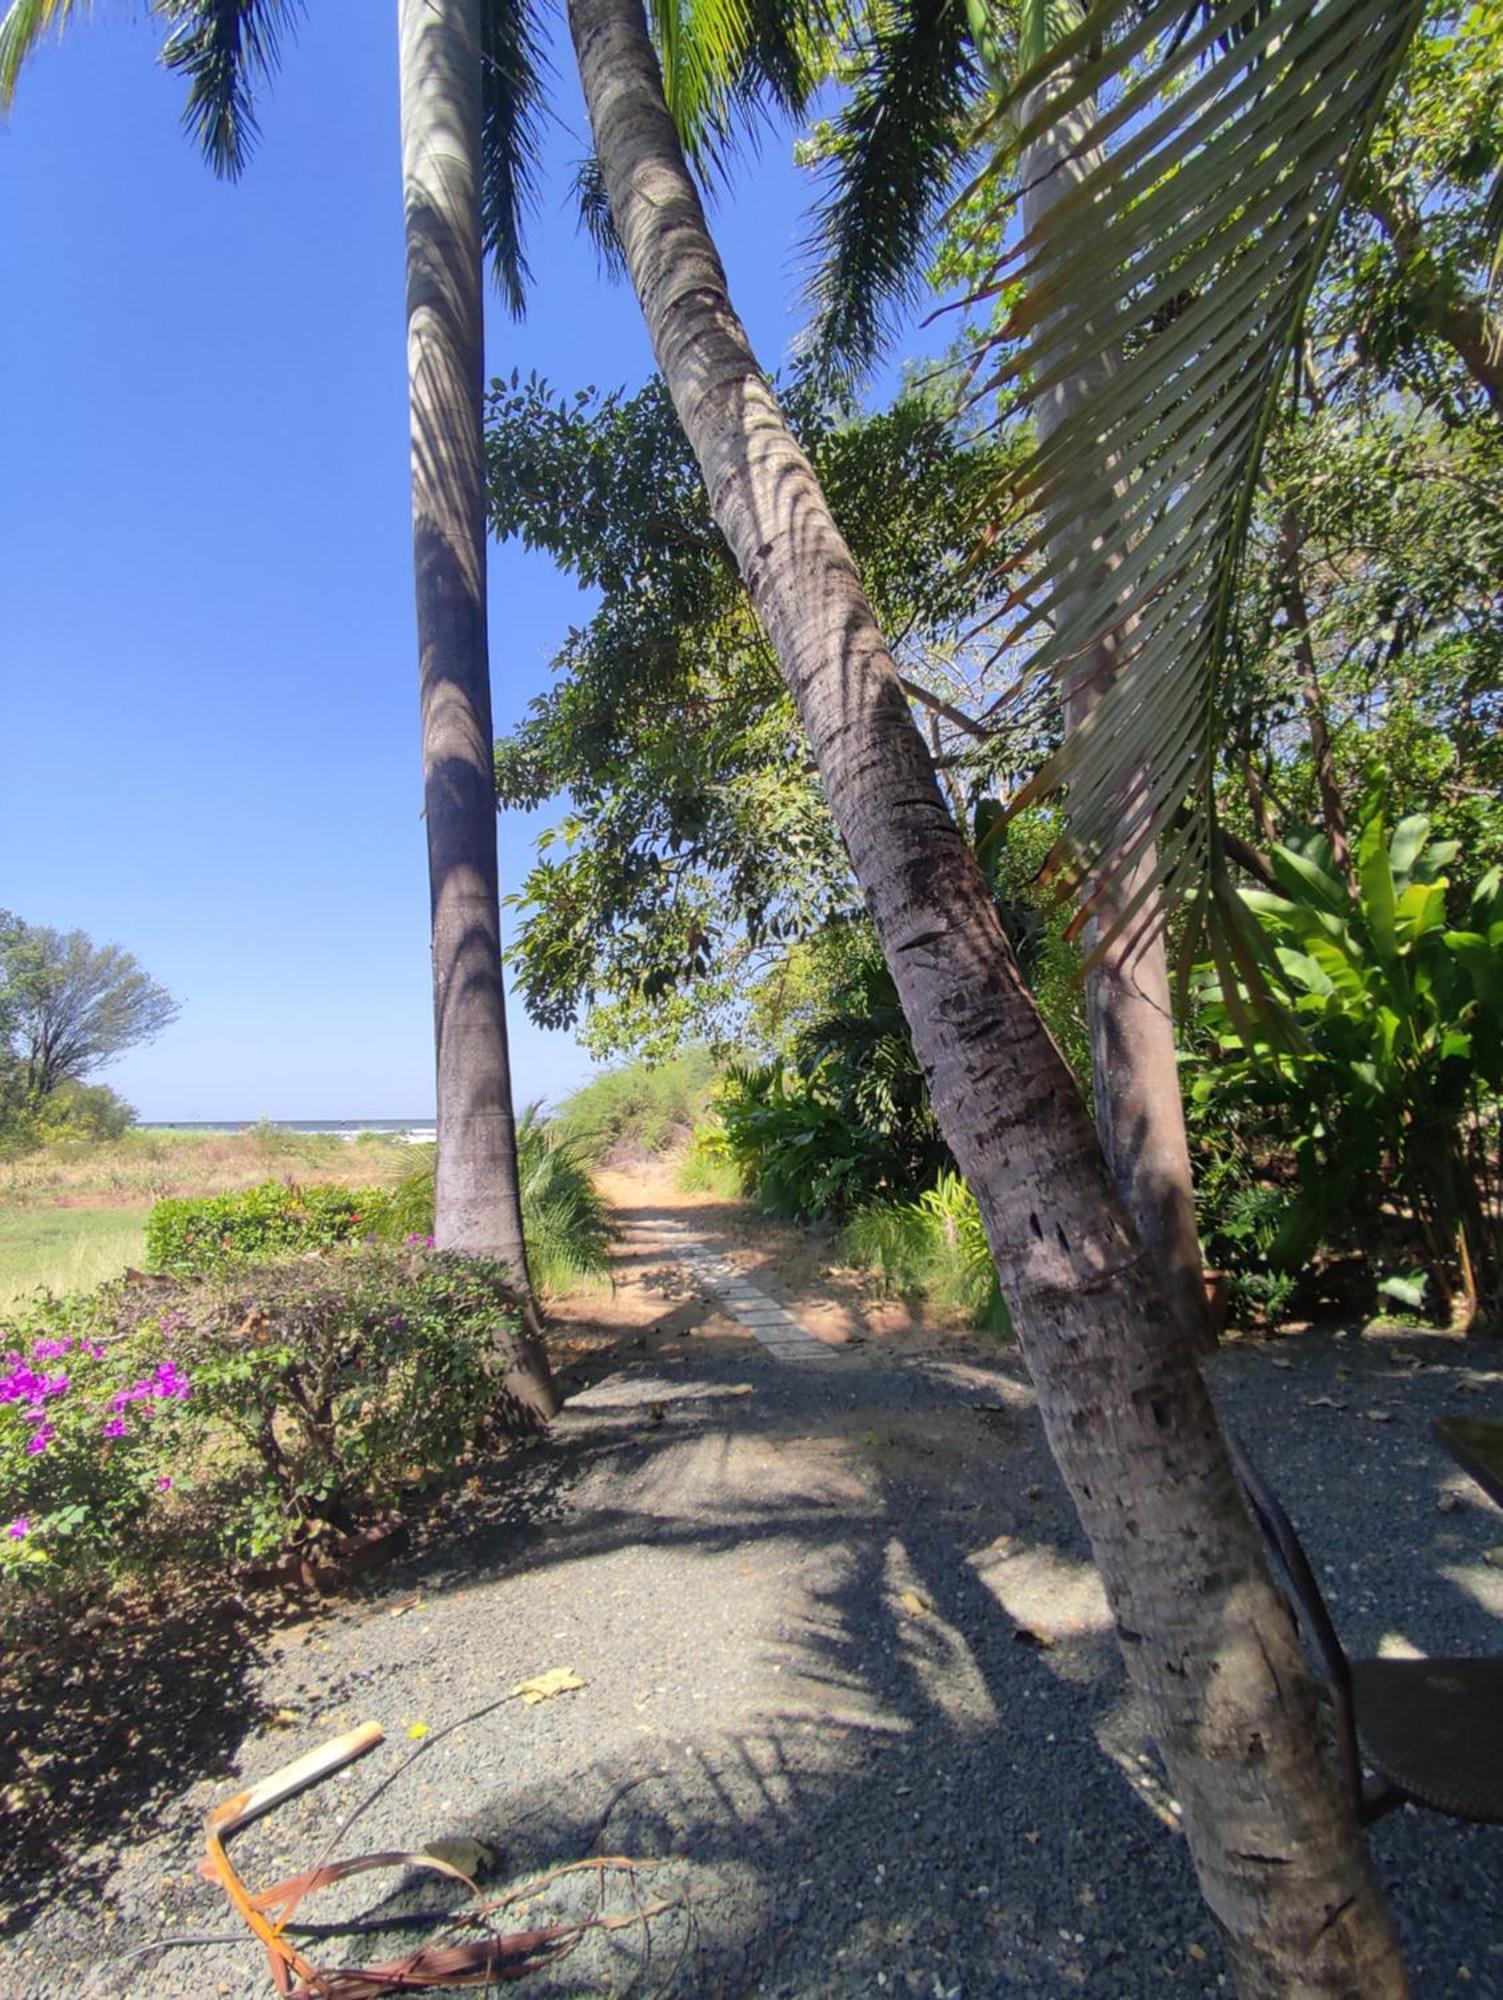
(193, 1236)
(91, 1413)
(237, 1415)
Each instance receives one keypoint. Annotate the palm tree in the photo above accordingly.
(469, 99)
(1206, 1637)
(926, 75)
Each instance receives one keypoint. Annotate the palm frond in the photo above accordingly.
(727, 63)
(25, 23)
(596, 220)
(1210, 154)
(897, 146)
(225, 48)
(513, 105)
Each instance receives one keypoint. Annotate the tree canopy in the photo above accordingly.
(69, 1006)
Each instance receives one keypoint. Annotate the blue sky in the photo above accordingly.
(207, 678)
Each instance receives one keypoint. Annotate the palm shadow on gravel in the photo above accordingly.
(906, 1780)
(952, 1792)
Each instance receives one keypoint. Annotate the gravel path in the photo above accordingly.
(849, 1683)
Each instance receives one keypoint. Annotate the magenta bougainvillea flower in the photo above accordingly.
(19, 1528)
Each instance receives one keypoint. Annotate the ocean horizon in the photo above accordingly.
(345, 1127)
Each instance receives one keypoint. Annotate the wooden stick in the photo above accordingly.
(295, 1777)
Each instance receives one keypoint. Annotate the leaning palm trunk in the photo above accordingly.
(1207, 1639)
(477, 1203)
(1140, 1116)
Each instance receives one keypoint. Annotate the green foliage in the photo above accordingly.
(232, 1416)
(275, 1219)
(934, 1247)
(638, 1107)
(67, 1005)
(1381, 1068)
(566, 1219)
(698, 845)
(846, 1118)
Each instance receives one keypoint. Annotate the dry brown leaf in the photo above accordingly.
(915, 1605)
(543, 1687)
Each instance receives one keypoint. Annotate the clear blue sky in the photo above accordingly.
(207, 678)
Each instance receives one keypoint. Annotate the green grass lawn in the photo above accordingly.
(68, 1249)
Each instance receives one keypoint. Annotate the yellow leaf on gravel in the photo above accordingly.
(543, 1687)
(417, 1729)
(914, 1605)
(470, 1857)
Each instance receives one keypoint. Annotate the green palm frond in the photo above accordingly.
(596, 220)
(896, 147)
(24, 24)
(225, 48)
(513, 106)
(1219, 143)
(727, 63)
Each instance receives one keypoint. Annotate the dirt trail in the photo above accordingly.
(851, 1686)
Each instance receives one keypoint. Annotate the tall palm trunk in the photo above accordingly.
(477, 1202)
(1140, 1117)
(1207, 1640)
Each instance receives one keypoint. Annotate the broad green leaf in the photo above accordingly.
(1420, 910)
(1409, 836)
(1306, 882)
(1375, 877)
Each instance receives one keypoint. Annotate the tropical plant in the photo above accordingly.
(934, 1246)
(470, 102)
(569, 1226)
(1124, 1405)
(1380, 1066)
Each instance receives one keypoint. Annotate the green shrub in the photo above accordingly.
(707, 1167)
(234, 1415)
(566, 1219)
(641, 1107)
(934, 1248)
(1377, 1069)
(192, 1236)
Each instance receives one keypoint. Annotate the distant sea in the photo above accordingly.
(417, 1130)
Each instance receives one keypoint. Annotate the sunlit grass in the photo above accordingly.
(66, 1249)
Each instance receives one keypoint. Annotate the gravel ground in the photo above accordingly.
(849, 1684)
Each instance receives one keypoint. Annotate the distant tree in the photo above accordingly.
(68, 1006)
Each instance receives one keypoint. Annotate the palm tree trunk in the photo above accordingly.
(477, 1201)
(1140, 1116)
(1207, 1640)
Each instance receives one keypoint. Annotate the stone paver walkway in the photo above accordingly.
(770, 1323)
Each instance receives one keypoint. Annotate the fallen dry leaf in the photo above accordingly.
(915, 1605)
(470, 1857)
(543, 1687)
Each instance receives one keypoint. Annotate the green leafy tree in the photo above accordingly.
(697, 845)
(69, 1007)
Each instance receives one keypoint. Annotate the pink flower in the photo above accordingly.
(19, 1528)
(164, 1484)
(39, 1440)
(115, 1428)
